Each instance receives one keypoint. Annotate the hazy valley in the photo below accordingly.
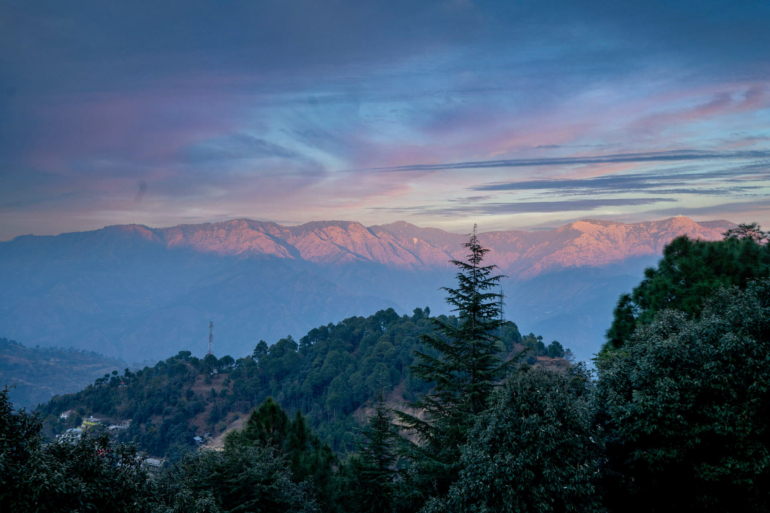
(38, 374)
(137, 293)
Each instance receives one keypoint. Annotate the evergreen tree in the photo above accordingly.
(307, 457)
(260, 350)
(534, 449)
(89, 474)
(689, 272)
(686, 409)
(370, 483)
(238, 479)
(752, 231)
(465, 364)
(267, 425)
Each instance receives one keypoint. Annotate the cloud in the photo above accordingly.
(669, 156)
(470, 199)
(722, 103)
(750, 208)
(526, 207)
(237, 147)
(659, 182)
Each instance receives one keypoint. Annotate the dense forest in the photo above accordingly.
(39, 373)
(331, 373)
(675, 418)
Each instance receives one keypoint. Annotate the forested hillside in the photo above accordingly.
(328, 375)
(675, 417)
(38, 374)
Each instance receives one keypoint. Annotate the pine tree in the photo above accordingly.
(306, 456)
(466, 364)
(371, 472)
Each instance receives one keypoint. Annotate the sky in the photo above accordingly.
(514, 114)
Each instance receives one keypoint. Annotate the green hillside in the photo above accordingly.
(329, 375)
(675, 419)
(38, 374)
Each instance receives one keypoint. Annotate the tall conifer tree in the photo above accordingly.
(465, 364)
(304, 453)
(371, 473)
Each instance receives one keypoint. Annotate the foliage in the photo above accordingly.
(158, 401)
(555, 350)
(536, 347)
(686, 405)
(465, 364)
(534, 449)
(752, 231)
(270, 428)
(329, 374)
(370, 475)
(678, 420)
(86, 475)
(239, 478)
(689, 272)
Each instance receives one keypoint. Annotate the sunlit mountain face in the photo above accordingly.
(514, 115)
(140, 293)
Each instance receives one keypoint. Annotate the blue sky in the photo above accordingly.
(507, 114)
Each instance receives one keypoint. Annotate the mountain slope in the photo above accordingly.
(582, 243)
(330, 375)
(38, 374)
(396, 245)
(143, 293)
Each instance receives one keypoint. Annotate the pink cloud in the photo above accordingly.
(720, 104)
(139, 127)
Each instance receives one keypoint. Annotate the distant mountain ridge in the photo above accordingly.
(590, 243)
(138, 293)
(403, 245)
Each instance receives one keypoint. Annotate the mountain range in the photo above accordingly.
(140, 293)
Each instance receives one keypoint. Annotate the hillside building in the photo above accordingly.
(152, 464)
(70, 435)
(90, 422)
(120, 425)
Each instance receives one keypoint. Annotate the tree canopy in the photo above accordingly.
(84, 475)
(307, 457)
(686, 407)
(534, 449)
(689, 272)
(370, 477)
(332, 371)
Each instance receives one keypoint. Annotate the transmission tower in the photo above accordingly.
(211, 337)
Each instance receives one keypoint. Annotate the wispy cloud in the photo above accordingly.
(669, 156)
(747, 209)
(238, 147)
(525, 207)
(660, 182)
